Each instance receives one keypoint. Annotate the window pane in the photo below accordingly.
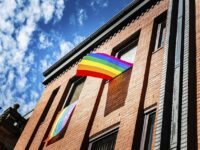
(129, 55)
(162, 34)
(76, 91)
(105, 143)
(149, 131)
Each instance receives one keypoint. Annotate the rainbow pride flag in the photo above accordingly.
(102, 66)
(61, 120)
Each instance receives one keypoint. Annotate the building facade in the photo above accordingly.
(153, 105)
(11, 126)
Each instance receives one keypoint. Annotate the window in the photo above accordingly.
(43, 116)
(75, 90)
(49, 103)
(72, 93)
(104, 142)
(147, 133)
(160, 33)
(128, 52)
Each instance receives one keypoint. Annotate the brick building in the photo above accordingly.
(154, 105)
(11, 126)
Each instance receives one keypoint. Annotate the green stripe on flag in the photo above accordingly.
(104, 62)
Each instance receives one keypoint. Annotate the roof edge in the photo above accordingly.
(90, 38)
(97, 37)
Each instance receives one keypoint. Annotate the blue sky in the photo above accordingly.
(34, 34)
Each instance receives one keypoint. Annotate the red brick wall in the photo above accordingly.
(117, 92)
(142, 92)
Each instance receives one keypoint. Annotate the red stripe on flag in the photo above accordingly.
(93, 74)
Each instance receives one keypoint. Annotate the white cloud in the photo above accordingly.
(78, 39)
(44, 41)
(105, 4)
(7, 26)
(45, 63)
(92, 3)
(11, 77)
(34, 95)
(79, 18)
(82, 16)
(48, 10)
(26, 107)
(96, 4)
(7, 9)
(24, 35)
(21, 84)
(52, 7)
(19, 20)
(59, 9)
(65, 47)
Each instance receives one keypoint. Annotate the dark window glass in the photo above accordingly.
(106, 142)
(161, 27)
(43, 116)
(75, 87)
(128, 52)
(147, 133)
(49, 103)
(74, 91)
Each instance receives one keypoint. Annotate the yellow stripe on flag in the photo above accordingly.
(96, 69)
(102, 66)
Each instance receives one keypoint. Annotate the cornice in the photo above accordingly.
(98, 38)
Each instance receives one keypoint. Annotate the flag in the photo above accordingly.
(61, 121)
(102, 66)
